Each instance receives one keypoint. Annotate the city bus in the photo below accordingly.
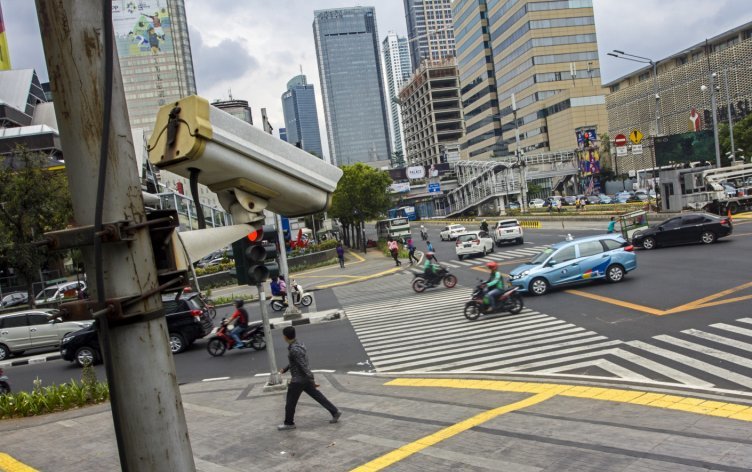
(403, 212)
(395, 228)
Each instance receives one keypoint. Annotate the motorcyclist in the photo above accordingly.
(430, 270)
(423, 232)
(494, 285)
(484, 226)
(240, 319)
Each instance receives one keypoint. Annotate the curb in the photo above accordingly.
(31, 360)
(320, 317)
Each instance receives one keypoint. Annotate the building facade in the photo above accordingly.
(682, 106)
(544, 53)
(432, 112)
(398, 72)
(301, 117)
(429, 30)
(155, 56)
(237, 108)
(283, 134)
(347, 51)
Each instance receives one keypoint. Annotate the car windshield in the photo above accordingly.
(540, 258)
(456, 227)
(508, 224)
(468, 237)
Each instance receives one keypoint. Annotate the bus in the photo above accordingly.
(395, 228)
(403, 212)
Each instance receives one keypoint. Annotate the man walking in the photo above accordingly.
(341, 255)
(411, 251)
(302, 381)
(393, 247)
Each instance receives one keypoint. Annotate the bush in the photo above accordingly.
(214, 269)
(55, 398)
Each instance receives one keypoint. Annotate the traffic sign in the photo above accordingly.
(621, 151)
(620, 140)
(636, 136)
(637, 149)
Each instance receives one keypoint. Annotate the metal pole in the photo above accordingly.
(274, 377)
(714, 106)
(523, 182)
(657, 99)
(283, 248)
(730, 119)
(147, 409)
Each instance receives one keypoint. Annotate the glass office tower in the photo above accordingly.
(301, 117)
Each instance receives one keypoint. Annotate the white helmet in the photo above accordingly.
(422, 226)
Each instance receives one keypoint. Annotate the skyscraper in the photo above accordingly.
(301, 117)
(237, 108)
(429, 29)
(347, 50)
(155, 56)
(397, 65)
(4, 54)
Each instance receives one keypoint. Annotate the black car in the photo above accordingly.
(187, 320)
(685, 229)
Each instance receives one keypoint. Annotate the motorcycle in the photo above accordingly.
(220, 340)
(421, 281)
(4, 385)
(510, 301)
(297, 295)
(424, 234)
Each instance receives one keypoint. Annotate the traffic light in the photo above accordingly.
(255, 258)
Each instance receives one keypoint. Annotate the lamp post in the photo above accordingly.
(713, 105)
(730, 119)
(520, 162)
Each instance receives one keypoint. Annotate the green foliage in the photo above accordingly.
(34, 200)
(224, 300)
(42, 400)
(534, 189)
(742, 138)
(605, 144)
(361, 194)
(216, 268)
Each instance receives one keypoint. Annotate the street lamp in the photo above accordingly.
(713, 105)
(520, 162)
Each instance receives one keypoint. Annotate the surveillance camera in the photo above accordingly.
(248, 169)
(704, 88)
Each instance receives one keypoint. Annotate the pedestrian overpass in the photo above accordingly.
(498, 181)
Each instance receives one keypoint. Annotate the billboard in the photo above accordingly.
(4, 54)
(142, 27)
(433, 171)
(685, 147)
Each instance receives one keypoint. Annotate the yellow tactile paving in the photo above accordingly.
(9, 464)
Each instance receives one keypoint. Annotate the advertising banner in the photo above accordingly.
(400, 187)
(590, 162)
(142, 27)
(432, 171)
(416, 172)
(685, 147)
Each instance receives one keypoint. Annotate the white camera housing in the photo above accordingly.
(248, 169)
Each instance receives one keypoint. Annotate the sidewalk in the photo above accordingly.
(412, 424)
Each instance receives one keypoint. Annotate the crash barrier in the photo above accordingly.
(524, 223)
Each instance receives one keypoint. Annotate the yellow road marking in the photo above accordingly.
(709, 298)
(723, 302)
(9, 464)
(613, 301)
(357, 256)
(432, 439)
(360, 278)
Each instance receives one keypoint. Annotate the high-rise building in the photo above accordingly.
(544, 53)
(237, 108)
(301, 117)
(347, 50)
(283, 134)
(4, 54)
(155, 56)
(429, 30)
(398, 71)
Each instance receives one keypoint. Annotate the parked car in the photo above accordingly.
(14, 299)
(593, 199)
(537, 203)
(608, 257)
(187, 320)
(685, 229)
(212, 262)
(554, 199)
(604, 199)
(508, 231)
(450, 232)
(570, 200)
(514, 206)
(473, 242)
(33, 329)
(60, 291)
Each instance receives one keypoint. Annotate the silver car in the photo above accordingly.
(33, 329)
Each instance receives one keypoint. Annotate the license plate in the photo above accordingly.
(467, 244)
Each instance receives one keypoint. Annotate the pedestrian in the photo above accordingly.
(341, 255)
(577, 205)
(611, 225)
(394, 250)
(550, 206)
(302, 381)
(411, 251)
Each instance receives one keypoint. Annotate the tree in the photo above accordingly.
(361, 194)
(398, 159)
(742, 137)
(33, 200)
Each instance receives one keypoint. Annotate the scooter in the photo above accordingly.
(510, 301)
(220, 340)
(421, 282)
(297, 295)
(4, 385)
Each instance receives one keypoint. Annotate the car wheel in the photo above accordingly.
(460, 256)
(615, 273)
(4, 352)
(177, 343)
(493, 248)
(520, 241)
(538, 286)
(648, 243)
(86, 356)
(498, 243)
(707, 237)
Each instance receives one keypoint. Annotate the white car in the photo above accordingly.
(450, 232)
(58, 292)
(33, 329)
(508, 231)
(537, 203)
(473, 242)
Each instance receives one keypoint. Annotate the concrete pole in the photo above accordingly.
(147, 410)
(275, 379)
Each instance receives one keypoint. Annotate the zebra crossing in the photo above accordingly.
(499, 255)
(428, 333)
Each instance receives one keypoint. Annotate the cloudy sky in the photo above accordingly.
(254, 47)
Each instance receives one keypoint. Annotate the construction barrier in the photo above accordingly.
(524, 223)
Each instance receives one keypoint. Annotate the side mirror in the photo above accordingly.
(660, 228)
(551, 263)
